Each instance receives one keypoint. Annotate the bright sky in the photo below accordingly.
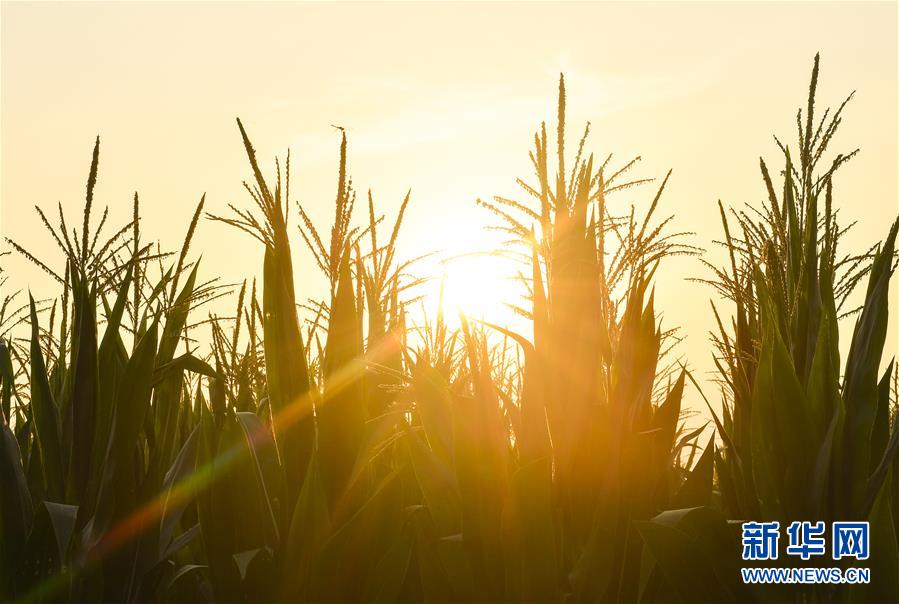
(439, 98)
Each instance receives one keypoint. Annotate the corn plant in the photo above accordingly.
(98, 435)
(613, 442)
(801, 438)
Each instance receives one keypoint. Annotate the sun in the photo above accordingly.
(480, 286)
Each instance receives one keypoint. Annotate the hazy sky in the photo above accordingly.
(439, 98)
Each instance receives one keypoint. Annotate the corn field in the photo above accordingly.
(348, 450)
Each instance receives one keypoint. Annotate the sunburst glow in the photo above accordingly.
(480, 286)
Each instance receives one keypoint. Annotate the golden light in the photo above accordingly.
(480, 286)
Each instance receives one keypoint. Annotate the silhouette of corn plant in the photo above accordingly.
(531, 498)
(801, 438)
(311, 525)
(95, 439)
